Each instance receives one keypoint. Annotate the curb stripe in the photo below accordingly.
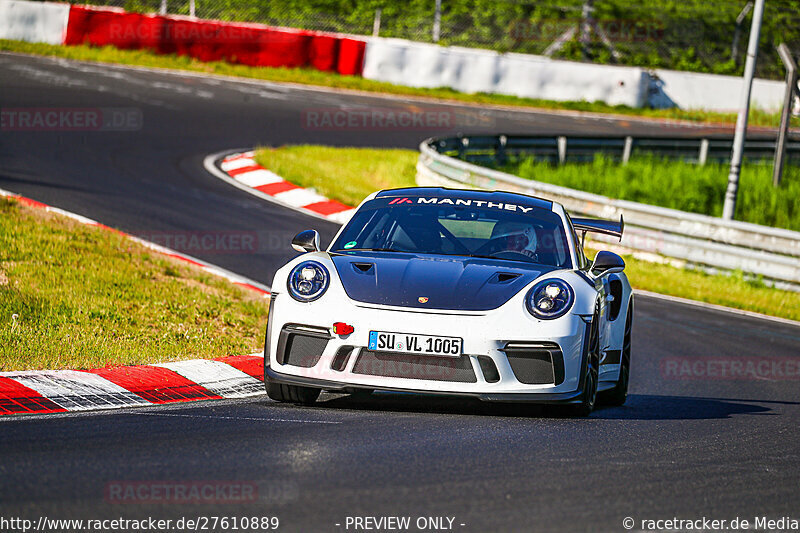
(328, 207)
(276, 188)
(252, 365)
(257, 178)
(300, 197)
(31, 203)
(230, 165)
(78, 391)
(59, 391)
(251, 166)
(156, 385)
(342, 217)
(234, 158)
(219, 378)
(243, 169)
(16, 398)
(186, 259)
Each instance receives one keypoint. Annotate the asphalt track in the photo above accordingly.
(689, 448)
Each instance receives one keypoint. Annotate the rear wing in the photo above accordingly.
(596, 225)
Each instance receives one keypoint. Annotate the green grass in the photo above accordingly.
(344, 174)
(146, 58)
(678, 185)
(350, 174)
(73, 296)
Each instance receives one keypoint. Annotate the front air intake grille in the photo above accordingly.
(301, 346)
(536, 363)
(489, 369)
(341, 357)
(410, 366)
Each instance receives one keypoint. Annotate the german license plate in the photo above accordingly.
(385, 341)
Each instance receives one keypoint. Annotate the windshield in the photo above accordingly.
(478, 229)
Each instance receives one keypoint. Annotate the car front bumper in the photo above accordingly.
(333, 386)
(303, 350)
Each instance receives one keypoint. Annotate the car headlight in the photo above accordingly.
(308, 281)
(549, 299)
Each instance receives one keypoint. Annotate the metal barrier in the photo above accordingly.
(773, 253)
(498, 148)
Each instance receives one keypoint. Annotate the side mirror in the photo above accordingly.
(306, 241)
(607, 263)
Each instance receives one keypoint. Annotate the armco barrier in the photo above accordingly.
(391, 60)
(351, 56)
(696, 90)
(35, 22)
(473, 70)
(773, 253)
(208, 40)
(492, 149)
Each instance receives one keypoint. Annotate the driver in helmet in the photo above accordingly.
(518, 237)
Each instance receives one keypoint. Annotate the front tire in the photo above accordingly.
(617, 396)
(591, 371)
(292, 393)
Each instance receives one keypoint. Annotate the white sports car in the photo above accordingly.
(429, 290)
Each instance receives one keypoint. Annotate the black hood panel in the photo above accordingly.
(448, 282)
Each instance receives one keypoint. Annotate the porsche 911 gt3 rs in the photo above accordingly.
(430, 290)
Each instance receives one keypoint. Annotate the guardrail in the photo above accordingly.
(773, 253)
(497, 148)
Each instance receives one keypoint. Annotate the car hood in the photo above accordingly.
(433, 281)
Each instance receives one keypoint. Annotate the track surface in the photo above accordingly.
(686, 448)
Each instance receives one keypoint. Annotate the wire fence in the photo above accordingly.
(695, 35)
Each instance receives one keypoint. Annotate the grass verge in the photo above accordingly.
(73, 296)
(146, 58)
(344, 174)
(350, 174)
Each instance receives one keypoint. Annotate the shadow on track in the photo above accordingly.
(638, 407)
(19, 178)
(654, 407)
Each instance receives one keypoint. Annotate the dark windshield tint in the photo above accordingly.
(512, 232)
